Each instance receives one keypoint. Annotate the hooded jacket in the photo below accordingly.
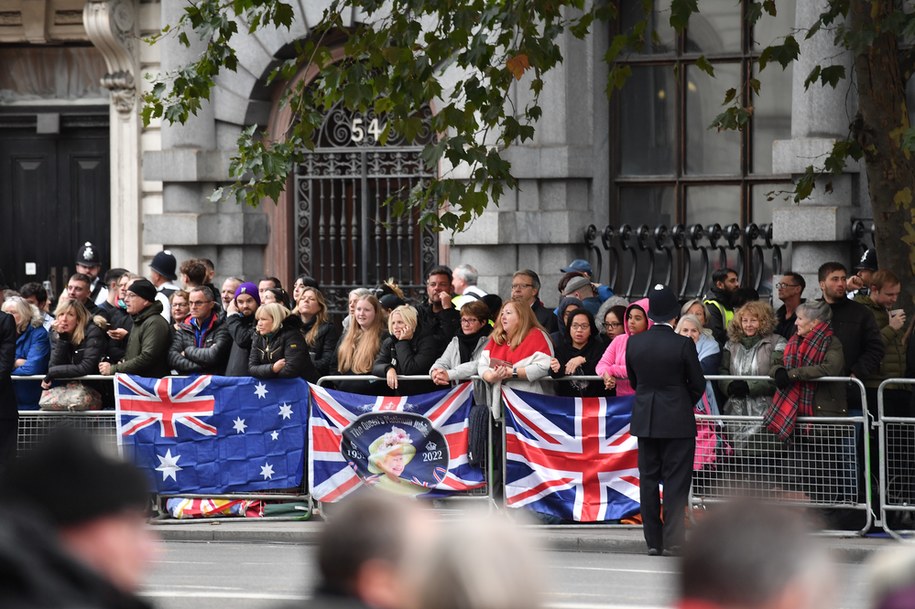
(613, 361)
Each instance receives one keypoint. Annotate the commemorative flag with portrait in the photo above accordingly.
(572, 458)
(409, 445)
(214, 434)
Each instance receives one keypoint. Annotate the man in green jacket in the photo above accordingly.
(150, 338)
(885, 288)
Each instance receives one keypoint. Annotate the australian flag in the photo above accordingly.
(410, 445)
(572, 458)
(214, 434)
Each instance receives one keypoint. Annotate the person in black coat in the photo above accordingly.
(577, 352)
(240, 324)
(664, 370)
(410, 349)
(320, 333)
(9, 413)
(278, 349)
(77, 345)
(201, 345)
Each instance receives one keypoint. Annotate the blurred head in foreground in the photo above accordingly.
(753, 556)
(891, 575)
(482, 560)
(95, 504)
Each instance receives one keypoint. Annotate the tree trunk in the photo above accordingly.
(884, 118)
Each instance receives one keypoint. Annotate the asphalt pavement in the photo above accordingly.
(597, 538)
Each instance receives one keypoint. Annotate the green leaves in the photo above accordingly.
(783, 53)
(830, 75)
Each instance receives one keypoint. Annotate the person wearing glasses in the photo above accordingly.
(610, 318)
(526, 290)
(789, 289)
(577, 353)
(201, 345)
(149, 338)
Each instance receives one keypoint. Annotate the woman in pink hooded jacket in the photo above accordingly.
(612, 365)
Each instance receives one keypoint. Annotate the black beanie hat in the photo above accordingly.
(69, 481)
(144, 289)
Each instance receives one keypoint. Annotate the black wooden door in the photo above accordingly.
(54, 196)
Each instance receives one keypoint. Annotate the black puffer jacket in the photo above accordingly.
(241, 330)
(287, 343)
(211, 358)
(414, 356)
(323, 350)
(69, 360)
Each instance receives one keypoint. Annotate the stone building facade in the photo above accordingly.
(644, 157)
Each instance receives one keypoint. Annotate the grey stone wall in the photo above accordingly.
(564, 180)
(820, 227)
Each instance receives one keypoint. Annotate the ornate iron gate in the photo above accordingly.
(345, 235)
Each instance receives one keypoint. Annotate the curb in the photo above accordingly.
(850, 550)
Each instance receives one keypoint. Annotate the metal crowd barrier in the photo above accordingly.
(35, 425)
(896, 439)
(487, 492)
(817, 467)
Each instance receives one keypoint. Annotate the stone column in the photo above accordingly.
(191, 164)
(112, 27)
(819, 228)
(563, 178)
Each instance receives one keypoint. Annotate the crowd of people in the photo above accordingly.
(175, 321)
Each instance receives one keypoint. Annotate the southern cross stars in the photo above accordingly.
(239, 425)
(267, 471)
(286, 411)
(260, 390)
(168, 465)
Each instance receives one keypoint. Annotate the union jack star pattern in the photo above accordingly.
(572, 458)
(332, 476)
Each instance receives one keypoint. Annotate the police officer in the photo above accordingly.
(664, 370)
(89, 263)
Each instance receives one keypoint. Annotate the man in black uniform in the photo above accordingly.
(664, 370)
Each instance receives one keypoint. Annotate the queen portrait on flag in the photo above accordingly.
(389, 455)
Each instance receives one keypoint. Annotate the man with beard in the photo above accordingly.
(240, 322)
(720, 303)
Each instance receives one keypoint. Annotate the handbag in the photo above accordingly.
(72, 396)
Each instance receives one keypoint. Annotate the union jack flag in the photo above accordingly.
(164, 406)
(572, 458)
(335, 415)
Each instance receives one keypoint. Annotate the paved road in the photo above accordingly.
(260, 576)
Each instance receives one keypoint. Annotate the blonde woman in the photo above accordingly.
(753, 350)
(321, 335)
(278, 349)
(78, 344)
(519, 351)
(360, 344)
(410, 349)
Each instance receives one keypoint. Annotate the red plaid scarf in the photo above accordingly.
(797, 400)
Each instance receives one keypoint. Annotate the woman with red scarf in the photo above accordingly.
(811, 353)
(518, 352)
